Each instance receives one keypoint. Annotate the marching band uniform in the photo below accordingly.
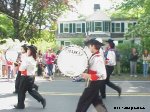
(22, 57)
(27, 69)
(97, 74)
(110, 61)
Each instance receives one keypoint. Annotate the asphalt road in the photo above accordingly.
(63, 96)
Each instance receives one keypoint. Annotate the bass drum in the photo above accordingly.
(11, 55)
(72, 61)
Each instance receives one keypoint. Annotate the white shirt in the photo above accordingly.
(28, 64)
(23, 56)
(97, 65)
(111, 58)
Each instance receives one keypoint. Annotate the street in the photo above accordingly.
(63, 96)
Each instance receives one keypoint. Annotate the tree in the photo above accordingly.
(140, 10)
(29, 17)
(6, 28)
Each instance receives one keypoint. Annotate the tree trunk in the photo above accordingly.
(16, 19)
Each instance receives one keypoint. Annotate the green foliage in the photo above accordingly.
(140, 10)
(125, 50)
(30, 17)
(6, 28)
(43, 45)
(78, 41)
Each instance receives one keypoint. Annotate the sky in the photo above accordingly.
(86, 6)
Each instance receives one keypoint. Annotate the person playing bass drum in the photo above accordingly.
(96, 74)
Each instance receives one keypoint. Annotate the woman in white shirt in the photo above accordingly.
(28, 68)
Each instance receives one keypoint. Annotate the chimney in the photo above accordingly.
(96, 7)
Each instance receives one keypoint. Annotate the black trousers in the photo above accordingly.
(26, 84)
(39, 70)
(91, 96)
(109, 70)
(17, 82)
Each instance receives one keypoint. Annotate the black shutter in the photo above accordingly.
(62, 42)
(83, 27)
(113, 27)
(104, 26)
(109, 25)
(74, 27)
(92, 26)
(87, 26)
(122, 27)
(61, 27)
(70, 28)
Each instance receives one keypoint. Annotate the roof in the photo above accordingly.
(71, 16)
(74, 16)
(98, 15)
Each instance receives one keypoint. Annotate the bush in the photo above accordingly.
(125, 50)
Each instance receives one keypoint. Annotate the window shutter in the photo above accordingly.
(87, 26)
(109, 26)
(62, 42)
(122, 27)
(61, 27)
(83, 27)
(92, 27)
(104, 26)
(70, 28)
(74, 27)
(113, 27)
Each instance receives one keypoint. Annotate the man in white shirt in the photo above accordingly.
(110, 61)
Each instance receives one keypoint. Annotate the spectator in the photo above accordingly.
(133, 62)
(4, 65)
(39, 63)
(146, 58)
(50, 58)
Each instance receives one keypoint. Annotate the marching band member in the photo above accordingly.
(28, 68)
(110, 61)
(96, 74)
(20, 58)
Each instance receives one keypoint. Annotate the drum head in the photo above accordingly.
(72, 61)
(11, 55)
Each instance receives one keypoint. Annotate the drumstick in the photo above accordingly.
(87, 82)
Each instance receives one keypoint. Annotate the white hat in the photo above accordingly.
(99, 39)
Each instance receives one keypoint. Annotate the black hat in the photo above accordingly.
(32, 48)
(94, 41)
(24, 46)
(110, 40)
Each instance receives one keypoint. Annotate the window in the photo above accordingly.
(66, 28)
(98, 26)
(117, 27)
(78, 28)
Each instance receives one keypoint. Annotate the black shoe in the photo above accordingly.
(43, 102)
(119, 92)
(16, 107)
